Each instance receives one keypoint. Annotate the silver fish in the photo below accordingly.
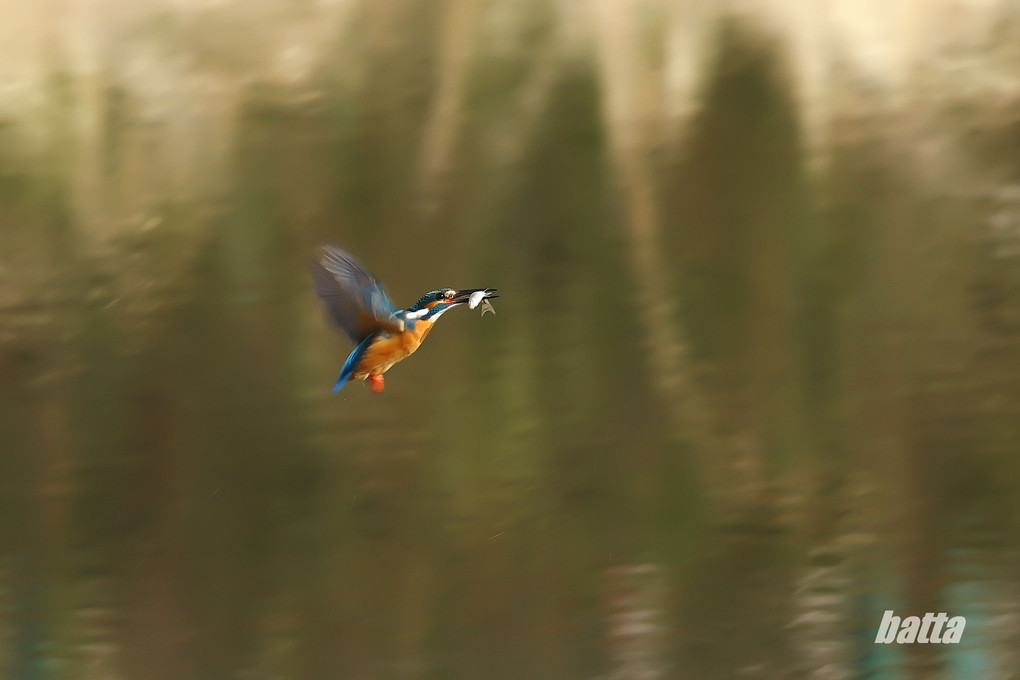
(475, 298)
(481, 297)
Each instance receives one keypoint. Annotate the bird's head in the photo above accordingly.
(432, 304)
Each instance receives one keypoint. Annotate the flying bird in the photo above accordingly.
(357, 302)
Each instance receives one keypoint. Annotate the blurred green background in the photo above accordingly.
(754, 379)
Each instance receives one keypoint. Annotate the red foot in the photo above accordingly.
(375, 382)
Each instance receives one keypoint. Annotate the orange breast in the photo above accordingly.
(389, 348)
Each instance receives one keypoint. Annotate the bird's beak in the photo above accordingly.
(462, 296)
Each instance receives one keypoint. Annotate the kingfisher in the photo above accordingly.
(356, 301)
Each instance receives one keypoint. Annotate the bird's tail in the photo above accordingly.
(351, 364)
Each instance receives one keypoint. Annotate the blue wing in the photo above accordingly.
(355, 300)
(351, 364)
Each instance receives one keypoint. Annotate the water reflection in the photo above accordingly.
(735, 404)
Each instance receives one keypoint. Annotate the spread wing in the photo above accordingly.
(355, 300)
